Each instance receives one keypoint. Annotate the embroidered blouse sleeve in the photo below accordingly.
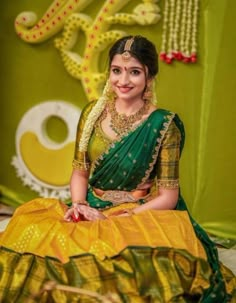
(81, 159)
(168, 159)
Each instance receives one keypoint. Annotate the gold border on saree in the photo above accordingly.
(120, 196)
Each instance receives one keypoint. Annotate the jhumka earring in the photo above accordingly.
(148, 92)
(126, 54)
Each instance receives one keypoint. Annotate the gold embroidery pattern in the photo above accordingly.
(80, 165)
(168, 184)
(117, 197)
(157, 148)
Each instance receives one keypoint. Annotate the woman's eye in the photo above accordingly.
(135, 72)
(116, 70)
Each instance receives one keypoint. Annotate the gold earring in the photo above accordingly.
(148, 92)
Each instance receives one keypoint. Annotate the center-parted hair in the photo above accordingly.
(141, 48)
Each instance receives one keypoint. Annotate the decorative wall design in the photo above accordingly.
(100, 32)
(66, 15)
(42, 164)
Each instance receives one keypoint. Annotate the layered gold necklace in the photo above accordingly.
(122, 124)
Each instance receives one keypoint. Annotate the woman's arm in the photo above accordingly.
(78, 188)
(80, 176)
(79, 185)
(166, 199)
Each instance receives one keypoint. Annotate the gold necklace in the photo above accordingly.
(122, 124)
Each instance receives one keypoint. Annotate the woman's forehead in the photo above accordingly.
(119, 61)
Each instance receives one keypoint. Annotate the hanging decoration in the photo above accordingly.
(179, 35)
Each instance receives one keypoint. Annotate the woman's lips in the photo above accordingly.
(124, 89)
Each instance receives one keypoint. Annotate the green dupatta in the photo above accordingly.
(217, 291)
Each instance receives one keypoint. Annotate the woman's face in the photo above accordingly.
(128, 78)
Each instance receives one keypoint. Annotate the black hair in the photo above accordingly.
(142, 49)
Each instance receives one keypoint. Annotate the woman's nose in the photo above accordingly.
(124, 78)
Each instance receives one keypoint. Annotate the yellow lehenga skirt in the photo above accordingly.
(153, 256)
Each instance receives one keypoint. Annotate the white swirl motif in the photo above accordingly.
(42, 164)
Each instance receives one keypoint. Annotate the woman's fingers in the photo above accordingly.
(89, 213)
(68, 214)
(72, 214)
(75, 213)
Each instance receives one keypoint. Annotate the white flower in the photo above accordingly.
(146, 13)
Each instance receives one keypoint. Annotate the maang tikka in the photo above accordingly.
(126, 54)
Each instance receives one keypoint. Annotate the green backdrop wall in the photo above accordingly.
(203, 94)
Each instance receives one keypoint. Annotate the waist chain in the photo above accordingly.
(121, 196)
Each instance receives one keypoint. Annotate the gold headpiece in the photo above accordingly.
(126, 54)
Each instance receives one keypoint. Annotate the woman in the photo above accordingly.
(127, 231)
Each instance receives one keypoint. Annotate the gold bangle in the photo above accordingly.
(81, 202)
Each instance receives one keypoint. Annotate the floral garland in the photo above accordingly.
(92, 118)
(179, 36)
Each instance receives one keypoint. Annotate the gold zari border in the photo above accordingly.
(168, 184)
(80, 165)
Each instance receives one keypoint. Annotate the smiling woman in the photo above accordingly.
(127, 230)
(127, 79)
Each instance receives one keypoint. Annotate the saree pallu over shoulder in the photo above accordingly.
(130, 162)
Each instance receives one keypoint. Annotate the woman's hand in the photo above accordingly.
(91, 213)
(77, 211)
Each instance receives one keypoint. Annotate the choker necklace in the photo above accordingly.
(122, 124)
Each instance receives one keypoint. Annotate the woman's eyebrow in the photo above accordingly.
(131, 67)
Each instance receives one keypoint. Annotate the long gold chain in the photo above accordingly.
(122, 124)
